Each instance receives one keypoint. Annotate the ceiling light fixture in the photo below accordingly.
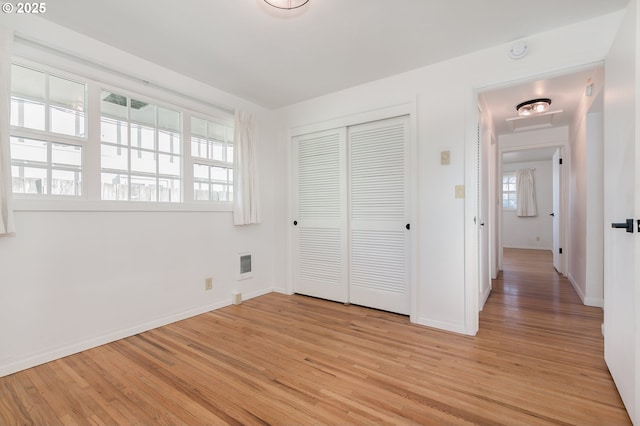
(286, 4)
(534, 106)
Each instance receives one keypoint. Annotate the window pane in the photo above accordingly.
(169, 142)
(142, 112)
(64, 182)
(201, 191)
(169, 190)
(218, 174)
(66, 121)
(66, 93)
(143, 137)
(229, 134)
(201, 172)
(143, 161)
(29, 180)
(66, 155)
(216, 150)
(28, 83)
(27, 114)
(220, 192)
(115, 187)
(215, 131)
(143, 188)
(114, 131)
(29, 150)
(169, 119)
(114, 157)
(230, 153)
(114, 105)
(169, 164)
(198, 127)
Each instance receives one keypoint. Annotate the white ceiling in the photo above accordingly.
(565, 92)
(274, 59)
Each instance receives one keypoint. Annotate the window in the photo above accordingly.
(212, 151)
(140, 150)
(509, 197)
(48, 135)
(73, 136)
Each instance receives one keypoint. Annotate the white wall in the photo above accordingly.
(446, 121)
(585, 266)
(79, 274)
(531, 232)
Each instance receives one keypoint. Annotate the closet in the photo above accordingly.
(351, 214)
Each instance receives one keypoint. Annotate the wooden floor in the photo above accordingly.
(295, 360)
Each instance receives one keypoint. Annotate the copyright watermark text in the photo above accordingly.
(24, 8)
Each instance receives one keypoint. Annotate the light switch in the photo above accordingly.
(445, 158)
(459, 191)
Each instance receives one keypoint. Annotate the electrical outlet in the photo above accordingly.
(208, 283)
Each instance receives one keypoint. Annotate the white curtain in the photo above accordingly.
(525, 193)
(6, 212)
(246, 198)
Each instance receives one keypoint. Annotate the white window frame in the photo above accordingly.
(52, 138)
(156, 151)
(511, 194)
(97, 79)
(208, 162)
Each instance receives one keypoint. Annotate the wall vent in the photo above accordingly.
(245, 265)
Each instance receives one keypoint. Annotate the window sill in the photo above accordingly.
(82, 205)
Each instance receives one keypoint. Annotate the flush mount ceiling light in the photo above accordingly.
(286, 4)
(534, 106)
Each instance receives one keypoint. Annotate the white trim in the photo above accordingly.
(587, 301)
(484, 297)
(442, 325)
(84, 345)
(65, 204)
(527, 247)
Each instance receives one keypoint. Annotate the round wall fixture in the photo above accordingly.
(518, 50)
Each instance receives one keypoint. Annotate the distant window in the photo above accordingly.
(212, 152)
(48, 123)
(509, 198)
(140, 150)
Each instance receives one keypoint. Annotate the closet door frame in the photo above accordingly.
(374, 114)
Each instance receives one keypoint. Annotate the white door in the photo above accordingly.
(379, 215)
(320, 232)
(621, 202)
(556, 209)
(483, 185)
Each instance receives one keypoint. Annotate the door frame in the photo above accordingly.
(564, 199)
(409, 109)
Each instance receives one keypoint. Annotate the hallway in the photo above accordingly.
(551, 343)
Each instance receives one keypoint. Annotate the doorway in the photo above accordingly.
(541, 228)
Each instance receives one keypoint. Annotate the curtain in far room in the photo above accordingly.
(6, 212)
(246, 198)
(525, 193)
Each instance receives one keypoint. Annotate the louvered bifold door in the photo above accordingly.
(320, 215)
(379, 215)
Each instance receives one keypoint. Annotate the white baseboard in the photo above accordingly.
(528, 248)
(84, 345)
(587, 301)
(485, 296)
(441, 325)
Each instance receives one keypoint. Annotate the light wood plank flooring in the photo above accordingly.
(295, 360)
